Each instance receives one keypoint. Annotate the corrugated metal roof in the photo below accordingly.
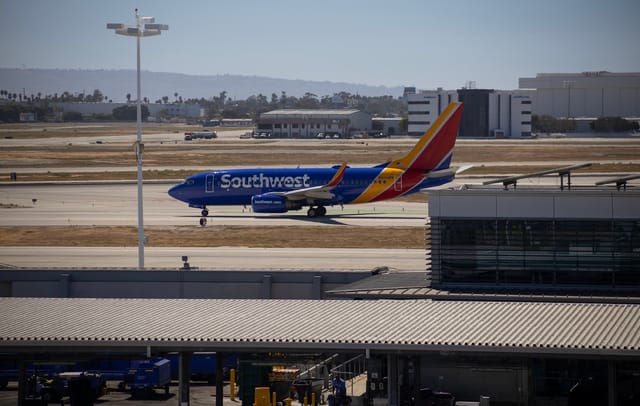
(478, 294)
(423, 325)
(416, 285)
(387, 281)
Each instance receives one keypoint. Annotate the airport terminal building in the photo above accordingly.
(577, 247)
(536, 238)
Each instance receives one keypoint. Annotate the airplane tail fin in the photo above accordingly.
(434, 150)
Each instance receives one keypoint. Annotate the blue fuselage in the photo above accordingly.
(237, 186)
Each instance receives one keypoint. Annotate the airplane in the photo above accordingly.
(278, 190)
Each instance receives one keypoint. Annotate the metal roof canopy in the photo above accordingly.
(620, 182)
(84, 325)
(513, 180)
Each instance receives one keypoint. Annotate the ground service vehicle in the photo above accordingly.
(148, 375)
(87, 385)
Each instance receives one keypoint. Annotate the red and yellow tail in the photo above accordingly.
(432, 153)
(435, 147)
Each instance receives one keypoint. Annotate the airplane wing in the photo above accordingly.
(316, 192)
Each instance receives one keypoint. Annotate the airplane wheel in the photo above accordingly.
(203, 221)
(311, 212)
(322, 211)
(205, 212)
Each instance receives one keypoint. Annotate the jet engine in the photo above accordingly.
(268, 203)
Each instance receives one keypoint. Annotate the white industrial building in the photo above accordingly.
(88, 109)
(586, 94)
(487, 113)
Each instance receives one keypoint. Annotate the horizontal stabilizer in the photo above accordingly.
(464, 168)
(442, 173)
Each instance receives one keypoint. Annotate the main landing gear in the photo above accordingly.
(204, 212)
(316, 211)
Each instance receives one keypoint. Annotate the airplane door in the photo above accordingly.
(397, 185)
(209, 184)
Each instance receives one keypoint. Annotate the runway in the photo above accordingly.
(111, 204)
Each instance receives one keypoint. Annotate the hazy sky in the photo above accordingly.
(420, 43)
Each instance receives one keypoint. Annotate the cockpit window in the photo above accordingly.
(188, 182)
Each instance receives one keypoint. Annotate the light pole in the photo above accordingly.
(145, 27)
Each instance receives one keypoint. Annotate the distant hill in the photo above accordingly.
(115, 84)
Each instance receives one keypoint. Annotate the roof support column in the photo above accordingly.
(317, 287)
(65, 285)
(266, 286)
(184, 376)
(392, 375)
(611, 384)
(219, 378)
(22, 381)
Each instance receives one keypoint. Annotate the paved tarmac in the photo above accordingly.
(116, 204)
(237, 258)
(201, 395)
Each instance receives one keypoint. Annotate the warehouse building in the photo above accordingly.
(192, 110)
(301, 123)
(586, 94)
(487, 113)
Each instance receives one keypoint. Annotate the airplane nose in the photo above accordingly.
(176, 192)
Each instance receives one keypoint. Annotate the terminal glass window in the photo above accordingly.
(468, 253)
(524, 253)
(541, 252)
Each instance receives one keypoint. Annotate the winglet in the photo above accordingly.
(337, 178)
